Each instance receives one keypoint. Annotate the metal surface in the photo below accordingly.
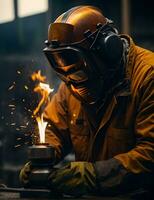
(27, 193)
(16, 196)
(41, 152)
(42, 160)
(42, 194)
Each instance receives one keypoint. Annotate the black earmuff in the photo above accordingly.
(109, 46)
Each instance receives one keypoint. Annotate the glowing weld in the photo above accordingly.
(42, 126)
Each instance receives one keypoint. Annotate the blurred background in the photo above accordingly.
(23, 30)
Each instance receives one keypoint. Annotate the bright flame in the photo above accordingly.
(42, 126)
(44, 90)
(46, 87)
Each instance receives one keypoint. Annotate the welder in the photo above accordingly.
(103, 109)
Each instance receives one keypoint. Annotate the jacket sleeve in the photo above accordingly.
(57, 131)
(136, 167)
(141, 158)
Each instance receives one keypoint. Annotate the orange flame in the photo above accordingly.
(44, 90)
(36, 76)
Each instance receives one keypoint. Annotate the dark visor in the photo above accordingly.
(68, 63)
(62, 57)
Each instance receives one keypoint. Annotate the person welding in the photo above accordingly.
(103, 109)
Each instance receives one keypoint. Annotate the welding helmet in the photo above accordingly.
(84, 49)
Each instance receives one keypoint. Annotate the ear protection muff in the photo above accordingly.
(109, 46)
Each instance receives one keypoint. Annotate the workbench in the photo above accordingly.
(16, 196)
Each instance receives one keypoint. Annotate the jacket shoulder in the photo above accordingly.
(145, 55)
(142, 67)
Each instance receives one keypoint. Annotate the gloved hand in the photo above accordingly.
(25, 173)
(75, 178)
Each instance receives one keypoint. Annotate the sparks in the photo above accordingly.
(12, 105)
(27, 134)
(13, 124)
(16, 146)
(26, 143)
(11, 87)
(23, 126)
(18, 72)
(26, 87)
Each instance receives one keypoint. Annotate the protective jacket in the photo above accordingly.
(124, 131)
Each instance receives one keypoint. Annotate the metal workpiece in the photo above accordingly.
(41, 151)
(42, 158)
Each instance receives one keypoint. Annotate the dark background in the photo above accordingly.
(21, 44)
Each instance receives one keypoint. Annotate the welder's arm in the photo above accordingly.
(74, 178)
(57, 132)
(135, 167)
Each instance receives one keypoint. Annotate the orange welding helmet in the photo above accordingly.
(84, 49)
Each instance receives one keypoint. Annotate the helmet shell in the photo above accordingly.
(71, 25)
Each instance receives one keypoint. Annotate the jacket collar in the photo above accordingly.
(130, 56)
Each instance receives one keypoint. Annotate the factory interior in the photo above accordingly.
(23, 31)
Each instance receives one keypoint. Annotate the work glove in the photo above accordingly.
(75, 179)
(25, 174)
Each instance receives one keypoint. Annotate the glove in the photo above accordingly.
(75, 178)
(25, 173)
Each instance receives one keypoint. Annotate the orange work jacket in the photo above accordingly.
(126, 129)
